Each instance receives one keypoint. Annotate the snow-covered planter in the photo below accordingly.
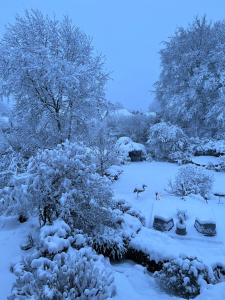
(184, 277)
(129, 150)
(192, 179)
(168, 142)
(181, 228)
(208, 228)
(163, 224)
(181, 224)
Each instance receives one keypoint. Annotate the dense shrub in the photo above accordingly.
(184, 277)
(63, 182)
(111, 244)
(58, 272)
(167, 141)
(192, 179)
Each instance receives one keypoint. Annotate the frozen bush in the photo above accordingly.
(64, 182)
(111, 244)
(184, 277)
(192, 179)
(62, 266)
(78, 274)
(167, 141)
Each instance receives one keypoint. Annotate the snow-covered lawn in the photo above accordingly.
(156, 176)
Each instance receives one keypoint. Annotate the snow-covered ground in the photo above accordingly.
(133, 281)
(211, 250)
(12, 235)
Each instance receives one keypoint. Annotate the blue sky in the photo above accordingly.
(128, 32)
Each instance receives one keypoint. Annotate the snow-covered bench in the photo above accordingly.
(163, 224)
(207, 228)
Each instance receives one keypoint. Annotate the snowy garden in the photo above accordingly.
(97, 202)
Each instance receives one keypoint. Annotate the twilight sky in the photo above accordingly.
(128, 32)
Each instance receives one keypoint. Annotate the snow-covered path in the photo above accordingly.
(135, 283)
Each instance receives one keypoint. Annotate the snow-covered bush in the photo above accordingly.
(167, 141)
(127, 149)
(125, 207)
(56, 271)
(111, 244)
(184, 277)
(63, 181)
(192, 179)
(205, 146)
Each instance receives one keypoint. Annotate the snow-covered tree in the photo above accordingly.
(133, 125)
(191, 85)
(50, 69)
(103, 147)
(191, 179)
(167, 141)
(185, 277)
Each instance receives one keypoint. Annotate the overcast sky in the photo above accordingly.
(128, 32)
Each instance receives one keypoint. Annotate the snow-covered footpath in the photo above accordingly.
(133, 281)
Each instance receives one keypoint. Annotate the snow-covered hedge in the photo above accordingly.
(55, 271)
(191, 179)
(184, 277)
(208, 147)
(167, 142)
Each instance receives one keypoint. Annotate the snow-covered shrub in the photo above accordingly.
(63, 181)
(218, 166)
(167, 141)
(184, 277)
(56, 270)
(127, 148)
(55, 238)
(78, 274)
(125, 207)
(192, 179)
(209, 147)
(111, 244)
